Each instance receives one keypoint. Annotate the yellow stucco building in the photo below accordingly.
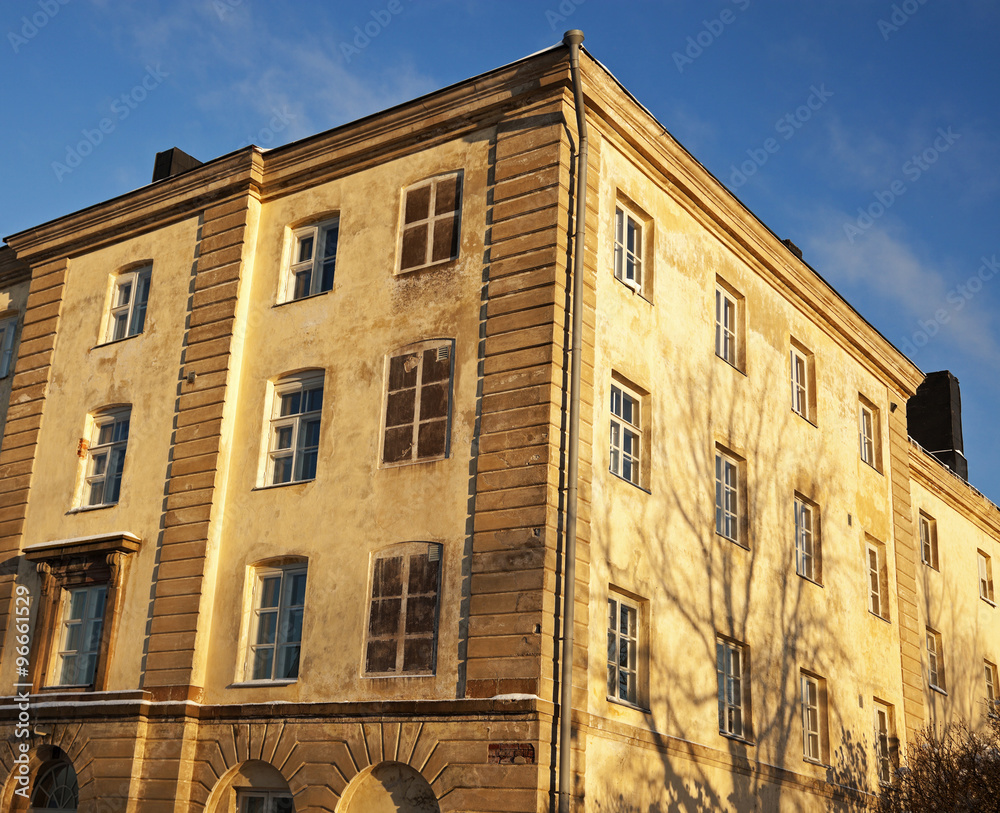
(291, 439)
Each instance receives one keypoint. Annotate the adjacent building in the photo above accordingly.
(283, 484)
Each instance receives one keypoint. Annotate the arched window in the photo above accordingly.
(293, 445)
(56, 788)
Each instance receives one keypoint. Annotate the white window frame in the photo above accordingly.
(875, 568)
(269, 797)
(985, 576)
(811, 703)
(625, 433)
(432, 220)
(284, 629)
(728, 496)
(808, 560)
(803, 397)
(8, 327)
(311, 269)
(87, 629)
(130, 314)
(869, 433)
(732, 690)
(928, 540)
(992, 684)
(935, 661)
(727, 339)
(288, 435)
(624, 644)
(106, 460)
(884, 736)
(628, 258)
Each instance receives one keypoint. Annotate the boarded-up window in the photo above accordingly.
(431, 222)
(417, 407)
(402, 618)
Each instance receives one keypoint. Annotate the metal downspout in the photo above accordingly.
(573, 39)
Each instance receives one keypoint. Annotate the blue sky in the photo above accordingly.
(868, 132)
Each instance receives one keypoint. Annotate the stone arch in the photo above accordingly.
(21, 782)
(253, 774)
(389, 787)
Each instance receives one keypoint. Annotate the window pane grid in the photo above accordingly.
(882, 735)
(295, 429)
(431, 213)
(985, 577)
(725, 327)
(628, 249)
(623, 651)
(81, 638)
(726, 497)
(810, 719)
(805, 545)
(867, 435)
(106, 458)
(800, 384)
(130, 299)
(278, 613)
(315, 259)
(625, 435)
(730, 673)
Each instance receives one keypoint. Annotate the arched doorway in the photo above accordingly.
(55, 788)
(389, 787)
(251, 787)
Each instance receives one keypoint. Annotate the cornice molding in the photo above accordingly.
(941, 481)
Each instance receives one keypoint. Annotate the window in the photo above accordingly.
(276, 630)
(128, 304)
(985, 577)
(264, 801)
(312, 261)
(992, 685)
(56, 788)
(803, 382)
(878, 584)
(628, 248)
(402, 619)
(626, 433)
(106, 457)
(728, 496)
(431, 222)
(885, 746)
(76, 619)
(734, 696)
(418, 403)
(7, 328)
(935, 660)
(928, 541)
(623, 649)
(807, 547)
(296, 410)
(868, 428)
(80, 641)
(813, 698)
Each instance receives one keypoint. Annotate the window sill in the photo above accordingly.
(741, 740)
(399, 464)
(111, 342)
(745, 546)
(250, 684)
(635, 291)
(808, 420)
(873, 468)
(76, 688)
(404, 272)
(732, 366)
(625, 704)
(988, 600)
(937, 689)
(881, 618)
(811, 581)
(392, 675)
(634, 485)
(301, 298)
(817, 762)
(81, 508)
(283, 485)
